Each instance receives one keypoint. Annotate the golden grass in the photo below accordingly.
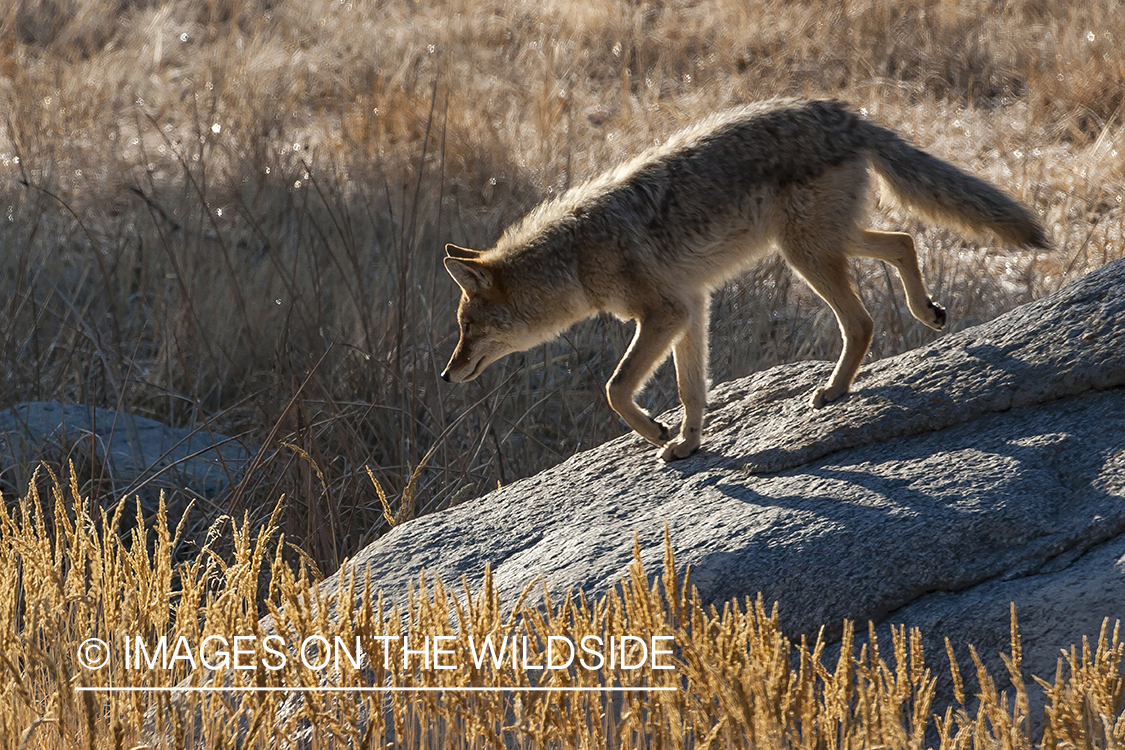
(67, 575)
(230, 214)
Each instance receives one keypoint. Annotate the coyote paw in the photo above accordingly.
(679, 448)
(939, 316)
(665, 435)
(824, 396)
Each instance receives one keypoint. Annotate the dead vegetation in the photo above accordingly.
(231, 214)
(734, 680)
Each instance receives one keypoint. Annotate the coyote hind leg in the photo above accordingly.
(897, 248)
(827, 273)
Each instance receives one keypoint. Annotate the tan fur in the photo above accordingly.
(650, 240)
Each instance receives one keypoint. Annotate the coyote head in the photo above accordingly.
(489, 327)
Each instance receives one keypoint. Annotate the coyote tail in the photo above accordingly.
(941, 191)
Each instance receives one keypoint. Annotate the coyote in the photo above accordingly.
(651, 239)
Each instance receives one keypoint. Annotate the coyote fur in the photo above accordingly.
(650, 240)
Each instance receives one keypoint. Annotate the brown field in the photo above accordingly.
(737, 681)
(231, 215)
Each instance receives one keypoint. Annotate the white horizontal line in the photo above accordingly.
(361, 689)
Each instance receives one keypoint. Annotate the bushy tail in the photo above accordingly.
(944, 193)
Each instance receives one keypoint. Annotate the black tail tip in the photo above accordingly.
(1024, 232)
(1038, 238)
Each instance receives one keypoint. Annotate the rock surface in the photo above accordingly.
(986, 467)
(139, 456)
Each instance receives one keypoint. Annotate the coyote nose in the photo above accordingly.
(445, 375)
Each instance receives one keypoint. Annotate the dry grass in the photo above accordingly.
(231, 213)
(738, 681)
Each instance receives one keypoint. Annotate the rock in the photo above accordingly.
(139, 456)
(986, 467)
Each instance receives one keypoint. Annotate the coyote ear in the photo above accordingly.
(464, 253)
(470, 275)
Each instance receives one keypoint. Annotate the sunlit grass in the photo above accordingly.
(736, 680)
(230, 215)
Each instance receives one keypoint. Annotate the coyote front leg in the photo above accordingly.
(655, 333)
(690, 355)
